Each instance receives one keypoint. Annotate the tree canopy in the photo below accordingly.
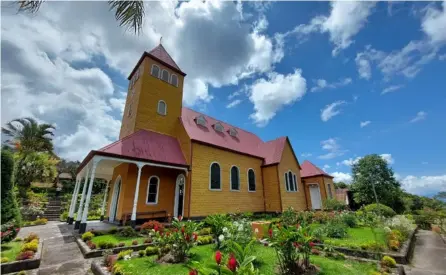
(340, 185)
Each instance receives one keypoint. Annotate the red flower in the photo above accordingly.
(187, 237)
(180, 218)
(232, 263)
(156, 228)
(296, 245)
(270, 232)
(218, 257)
(167, 233)
(311, 244)
(182, 229)
(195, 236)
(193, 272)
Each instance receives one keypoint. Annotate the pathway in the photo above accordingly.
(429, 256)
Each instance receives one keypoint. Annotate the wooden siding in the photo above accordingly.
(185, 142)
(120, 170)
(297, 199)
(271, 183)
(206, 202)
(323, 185)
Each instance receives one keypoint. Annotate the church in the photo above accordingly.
(172, 161)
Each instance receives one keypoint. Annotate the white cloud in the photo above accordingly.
(234, 103)
(346, 19)
(334, 149)
(326, 166)
(331, 110)
(306, 155)
(363, 64)
(322, 84)
(427, 185)
(420, 116)
(392, 88)
(433, 24)
(442, 57)
(364, 123)
(40, 79)
(340, 176)
(272, 94)
(388, 158)
(351, 161)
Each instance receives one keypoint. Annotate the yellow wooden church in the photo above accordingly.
(171, 160)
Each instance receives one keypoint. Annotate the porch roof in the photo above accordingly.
(143, 146)
(311, 170)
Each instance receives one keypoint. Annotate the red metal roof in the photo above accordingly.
(245, 142)
(161, 53)
(308, 169)
(148, 145)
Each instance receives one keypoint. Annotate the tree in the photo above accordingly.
(128, 13)
(10, 210)
(373, 171)
(27, 135)
(340, 185)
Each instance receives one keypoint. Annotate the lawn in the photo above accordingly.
(358, 236)
(266, 261)
(11, 250)
(115, 239)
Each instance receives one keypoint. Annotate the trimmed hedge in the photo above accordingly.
(380, 209)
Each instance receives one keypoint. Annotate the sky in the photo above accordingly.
(340, 79)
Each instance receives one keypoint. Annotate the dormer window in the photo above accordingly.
(233, 132)
(218, 127)
(201, 120)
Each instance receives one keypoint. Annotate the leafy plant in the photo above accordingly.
(30, 246)
(127, 231)
(201, 240)
(151, 250)
(335, 230)
(4, 260)
(388, 261)
(241, 252)
(380, 210)
(9, 207)
(105, 244)
(31, 237)
(334, 204)
(217, 222)
(124, 254)
(148, 226)
(349, 219)
(9, 231)
(87, 236)
(289, 216)
(25, 255)
(141, 253)
(106, 257)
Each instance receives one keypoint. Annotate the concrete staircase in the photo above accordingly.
(52, 211)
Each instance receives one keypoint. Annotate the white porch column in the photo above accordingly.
(105, 200)
(81, 203)
(135, 199)
(73, 201)
(83, 225)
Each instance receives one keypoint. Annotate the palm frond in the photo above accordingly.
(129, 13)
(30, 6)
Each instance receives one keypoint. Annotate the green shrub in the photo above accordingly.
(372, 246)
(31, 246)
(141, 253)
(124, 253)
(205, 231)
(127, 231)
(25, 255)
(117, 269)
(205, 240)
(87, 236)
(381, 210)
(4, 260)
(148, 226)
(9, 207)
(334, 204)
(289, 217)
(21, 272)
(349, 219)
(151, 250)
(105, 244)
(18, 239)
(31, 237)
(388, 261)
(335, 230)
(113, 230)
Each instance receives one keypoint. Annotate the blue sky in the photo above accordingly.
(342, 80)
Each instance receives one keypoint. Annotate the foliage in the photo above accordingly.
(39, 221)
(35, 204)
(30, 246)
(289, 217)
(87, 236)
(322, 217)
(335, 230)
(123, 254)
(151, 250)
(135, 242)
(427, 216)
(103, 244)
(9, 231)
(293, 246)
(148, 226)
(217, 222)
(239, 231)
(388, 261)
(4, 260)
(106, 256)
(141, 253)
(340, 185)
(25, 255)
(241, 252)
(380, 209)
(373, 171)
(205, 231)
(402, 224)
(349, 219)
(9, 207)
(334, 204)
(204, 239)
(31, 237)
(127, 231)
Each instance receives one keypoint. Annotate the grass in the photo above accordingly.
(11, 250)
(358, 236)
(117, 239)
(266, 262)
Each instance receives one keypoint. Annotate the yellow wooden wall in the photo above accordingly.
(297, 199)
(120, 170)
(271, 185)
(206, 202)
(323, 185)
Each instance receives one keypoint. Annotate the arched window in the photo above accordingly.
(165, 75)
(174, 80)
(215, 177)
(152, 190)
(296, 186)
(155, 71)
(162, 108)
(290, 182)
(235, 178)
(251, 180)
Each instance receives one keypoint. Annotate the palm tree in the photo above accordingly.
(128, 13)
(29, 136)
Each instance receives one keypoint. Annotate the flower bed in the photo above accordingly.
(39, 221)
(21, 254)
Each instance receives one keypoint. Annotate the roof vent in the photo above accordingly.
(218, 127)
(201, 120)
(233, 132)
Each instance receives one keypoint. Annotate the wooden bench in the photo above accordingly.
(153, 214)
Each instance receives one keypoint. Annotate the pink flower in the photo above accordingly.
(218, 257)
(311, 244)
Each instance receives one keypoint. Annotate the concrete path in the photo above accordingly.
(429, 256)
(61, 255)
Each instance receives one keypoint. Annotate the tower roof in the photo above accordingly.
(310, 170)
(159, 54)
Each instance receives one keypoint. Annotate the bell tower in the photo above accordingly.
(154, 96)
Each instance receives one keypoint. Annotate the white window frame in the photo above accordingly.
(210, 176)
(201, 120)
(218, 124)
(293, 182)
(230, 179)
(171, 77)
(255, 180)
(157, 191)
(158, 108)
(168, 75)
(159, 71)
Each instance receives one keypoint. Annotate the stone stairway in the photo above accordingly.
(52, 211)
